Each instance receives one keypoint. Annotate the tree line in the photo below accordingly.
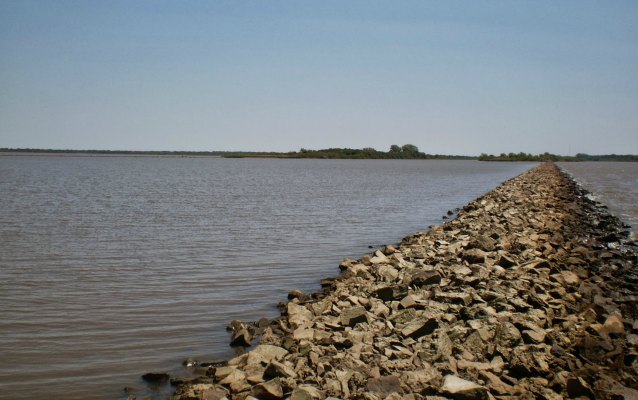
(554, 157)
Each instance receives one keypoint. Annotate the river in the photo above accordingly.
(115, 266)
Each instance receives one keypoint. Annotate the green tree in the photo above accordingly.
(410, 150)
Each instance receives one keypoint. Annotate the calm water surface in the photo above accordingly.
(613, 183)
(115, 266)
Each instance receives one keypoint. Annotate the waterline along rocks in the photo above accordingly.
(530, 293)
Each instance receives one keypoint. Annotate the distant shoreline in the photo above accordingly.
(395, 153)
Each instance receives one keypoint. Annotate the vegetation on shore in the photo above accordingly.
(407, 151)
(553, 157)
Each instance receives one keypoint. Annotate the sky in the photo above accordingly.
(451, 77)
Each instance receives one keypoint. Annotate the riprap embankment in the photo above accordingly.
(530, 293)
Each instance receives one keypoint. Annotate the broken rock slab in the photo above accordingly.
(461, 389)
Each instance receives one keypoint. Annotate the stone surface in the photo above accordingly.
(474, 256)
(384, 385)
(419, 327)
(353, 315)
(529, 293)
(461, 389)
(270, 390)
(613, 324)
(425, 278)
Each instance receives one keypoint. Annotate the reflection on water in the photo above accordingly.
(116, 266)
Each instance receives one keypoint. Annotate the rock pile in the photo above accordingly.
(530, 293)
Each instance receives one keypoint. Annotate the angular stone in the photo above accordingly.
(577, 387)
(379, 258)
(298, 315)
(496, 385)
(303, 334)
(354, 315)
(533, 336)
(270, 390)
(388, 273)
(613, 324)
(454, 297)
(474, 256)
(506, 262)
(276, 369)
(570, 278)
(242, 337)
(306, 392)
(461, 389)
(425, 278)
(233, 378)
(297, 294)
(389, 249)
(483, 242)
(390, 293)
(384, 385)
(479, 366)
(235, 325)
(408, 301)
(214, 393)
(403, 316)
(507, 335)
(461, 270)
(419, 327)
(267, 353)
(444, 345)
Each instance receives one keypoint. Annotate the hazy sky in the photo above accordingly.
(454, 77)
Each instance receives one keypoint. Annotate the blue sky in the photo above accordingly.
(453, 77)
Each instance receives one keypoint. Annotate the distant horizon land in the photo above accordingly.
(334, 153)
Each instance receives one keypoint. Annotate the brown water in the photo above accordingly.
(115, 266)
(613, 183)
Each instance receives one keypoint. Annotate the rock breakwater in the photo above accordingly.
(530, 293)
